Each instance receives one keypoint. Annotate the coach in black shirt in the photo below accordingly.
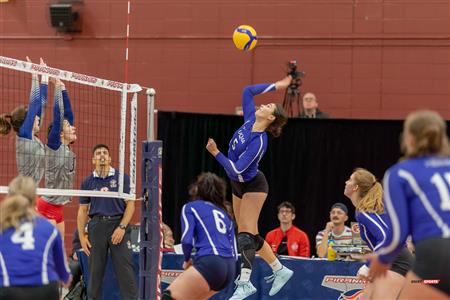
(107, 228)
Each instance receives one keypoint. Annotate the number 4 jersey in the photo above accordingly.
(417, 199)
(32, 255)
(207, 228)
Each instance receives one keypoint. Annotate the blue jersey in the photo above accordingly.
(417, 199)
(32, 255)
(246, 148)
(373, 228)
(207, 228)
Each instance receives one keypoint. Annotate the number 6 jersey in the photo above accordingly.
(32, 255)
(207, 228)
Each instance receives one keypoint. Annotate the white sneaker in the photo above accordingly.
(243, 290)
(279, 278)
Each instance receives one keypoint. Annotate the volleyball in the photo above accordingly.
(244, 37)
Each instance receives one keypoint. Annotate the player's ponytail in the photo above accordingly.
(429, 131)
(276, 127)
(5, 124)
(15, 210)
(370, 192)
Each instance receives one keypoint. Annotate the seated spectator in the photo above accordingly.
(334, 230)
(311, 108)
(168, 240)
(288, 239)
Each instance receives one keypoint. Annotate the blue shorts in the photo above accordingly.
(218, 271)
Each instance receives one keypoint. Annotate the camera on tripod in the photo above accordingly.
(292, 94)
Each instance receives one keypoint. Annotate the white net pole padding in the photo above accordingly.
(23, 66)
(151, 114)
(133, 144)
(123, 124)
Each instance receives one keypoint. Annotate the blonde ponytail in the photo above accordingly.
(14, 210)
(370, 191)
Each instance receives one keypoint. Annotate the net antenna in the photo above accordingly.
(96, 103)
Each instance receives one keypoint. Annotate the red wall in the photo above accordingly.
(364, 59)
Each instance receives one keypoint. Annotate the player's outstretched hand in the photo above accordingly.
(211, 146)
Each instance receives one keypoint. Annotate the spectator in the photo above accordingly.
(107, 228)
(32, 255)
(334, 230)
(168, 240)
(288, 239)
(74, 264)
(311, 108)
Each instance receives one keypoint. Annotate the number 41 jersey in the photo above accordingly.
(209, 229)
(32, 255)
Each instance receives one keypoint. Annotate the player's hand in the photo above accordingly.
(377, 268)
(329, 227)
(363, 273)
(117, 236)
(211, 146)
(85, 244)
(187, 264)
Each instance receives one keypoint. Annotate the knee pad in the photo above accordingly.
(246, 241)
(166, 295)
(259, 242)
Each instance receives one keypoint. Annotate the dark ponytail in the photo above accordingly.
(276, 127)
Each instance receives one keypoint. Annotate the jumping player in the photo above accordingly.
(60, 160)
(366, 194)
(249, 185)
(32, 257)
(417, 199)
(206, 226)
(26, 121)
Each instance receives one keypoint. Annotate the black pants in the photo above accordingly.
(41, 292)
(100, 232)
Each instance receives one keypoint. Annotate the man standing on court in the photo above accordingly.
(107, 228)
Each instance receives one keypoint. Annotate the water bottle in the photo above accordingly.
(331, 254)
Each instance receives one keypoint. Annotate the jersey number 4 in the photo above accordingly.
(24, 236)
(443, 189)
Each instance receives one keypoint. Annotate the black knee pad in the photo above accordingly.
(166, 295)
(259, 242)
(246, 241)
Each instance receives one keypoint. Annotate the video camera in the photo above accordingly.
(292, 92)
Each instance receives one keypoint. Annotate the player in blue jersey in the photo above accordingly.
(32, 257)
(60, 159)
(417, 200)
(366, 194)
(30, 152)
(206, 226)
(249, 185)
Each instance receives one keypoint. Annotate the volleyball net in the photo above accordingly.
(104, 112)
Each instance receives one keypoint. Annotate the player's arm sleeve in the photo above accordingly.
(83, 199)
(54, 138)
(60, 259)
(253, 151)
(305, 249)
(34, 106)
(187, 227)
(68, 113)
(248, 103)
(397, 209)
(43, 95)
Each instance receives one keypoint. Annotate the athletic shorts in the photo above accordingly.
(403, 263)
(257, 185)
(433, 262)
(50, 211)
(218, 271)
(41, 292)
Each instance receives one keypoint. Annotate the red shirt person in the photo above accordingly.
(288, 239)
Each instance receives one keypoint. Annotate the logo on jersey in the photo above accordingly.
(294, 247)
(104, 189)
(113, 183)
(349, 286)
